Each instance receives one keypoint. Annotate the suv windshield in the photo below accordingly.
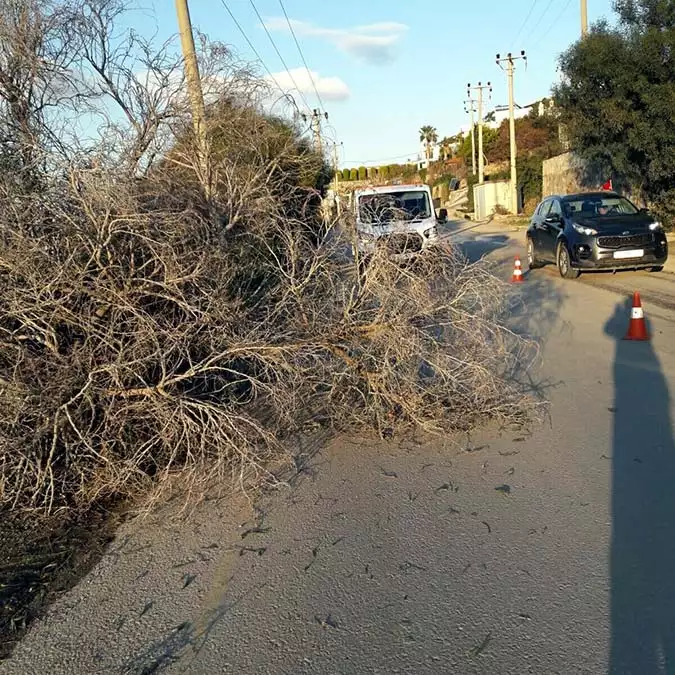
(595, 206)
(385, 207)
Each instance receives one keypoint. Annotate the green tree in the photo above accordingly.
(345, 174)
(428, 136)
(353, 174)
(617, 98)
(384, 172)
(363, 173)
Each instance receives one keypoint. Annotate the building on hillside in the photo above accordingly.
(422, 161)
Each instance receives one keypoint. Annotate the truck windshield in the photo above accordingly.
(385, 207)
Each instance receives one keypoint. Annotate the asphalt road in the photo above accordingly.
(405, 558)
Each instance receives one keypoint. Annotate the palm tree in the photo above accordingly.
(428, 136)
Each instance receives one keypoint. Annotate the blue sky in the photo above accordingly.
(386, 68)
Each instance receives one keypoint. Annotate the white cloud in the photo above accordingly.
(374, 43)
(329, 88)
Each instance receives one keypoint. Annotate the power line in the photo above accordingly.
(536, 25)
(253, 49)
(281, 58)
(302, 56)
(527, 18)
(553, 23)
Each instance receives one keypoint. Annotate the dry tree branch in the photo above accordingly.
(141, 338)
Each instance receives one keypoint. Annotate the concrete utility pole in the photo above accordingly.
(584, 18)
(510, 68)
(195, 92)
(481, 158)
(471, 109)
(315, 126)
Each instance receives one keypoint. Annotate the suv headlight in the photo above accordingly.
(588, 231)
(656, 227)
(431, 232)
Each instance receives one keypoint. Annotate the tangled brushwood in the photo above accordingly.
(146, 330)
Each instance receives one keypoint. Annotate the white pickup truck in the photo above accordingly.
(401, 217)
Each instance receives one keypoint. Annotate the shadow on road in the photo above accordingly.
(642, 560)
(533, 307)
(475, 245)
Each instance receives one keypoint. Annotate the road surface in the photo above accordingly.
(503, 552)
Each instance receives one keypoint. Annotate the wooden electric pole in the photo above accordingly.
(195, 92)
(584, 18)
(510, 68)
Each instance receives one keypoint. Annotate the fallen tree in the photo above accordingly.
(146, 332)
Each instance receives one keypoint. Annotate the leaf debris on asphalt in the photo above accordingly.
(509, 453)
(489, 529)
(255, 530)
(389, 474)
(188, 579)
(504, 489)
(328, 622)
(480, 648)
(315, 553)
(405, 566)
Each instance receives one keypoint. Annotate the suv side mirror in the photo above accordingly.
(644, 209)
(553, 218)
(442, 215)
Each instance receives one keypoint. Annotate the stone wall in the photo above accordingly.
(566, 174)
(560, 175)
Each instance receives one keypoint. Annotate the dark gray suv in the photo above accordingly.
(594, 231)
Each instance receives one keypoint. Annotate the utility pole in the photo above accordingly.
(315, 126)
(469, 103)
(584, 18)
(195, 92)
(510, 67)
(481, 158)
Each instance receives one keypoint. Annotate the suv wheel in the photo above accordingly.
(564, 264)
(532, 261)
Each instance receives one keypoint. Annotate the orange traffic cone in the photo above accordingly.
(637, 330)
(517, 272)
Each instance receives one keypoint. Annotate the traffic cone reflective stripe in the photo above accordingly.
(637, 329)
(517, 271)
